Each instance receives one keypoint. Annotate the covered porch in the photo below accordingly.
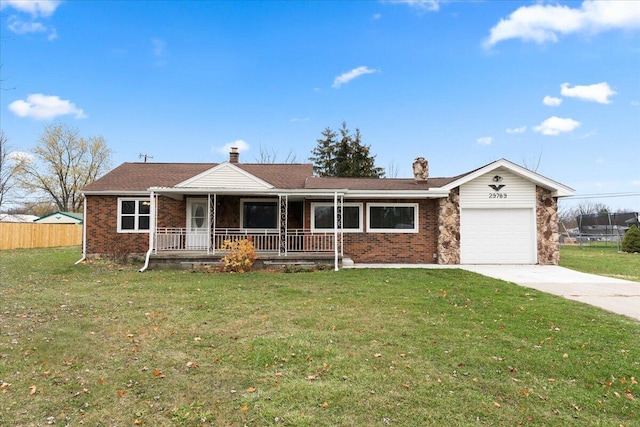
(275, 224)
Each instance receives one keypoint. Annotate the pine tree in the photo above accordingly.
(631, 240)
(346, 157)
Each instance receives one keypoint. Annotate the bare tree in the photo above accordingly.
(271, 156)
(392, 170)
(533, 164)
(8, 170)
(63, 164)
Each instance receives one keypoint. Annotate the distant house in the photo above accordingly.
(498, 213)
(61, 218)
(17, 218)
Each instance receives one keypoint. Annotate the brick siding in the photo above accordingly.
(364, 247)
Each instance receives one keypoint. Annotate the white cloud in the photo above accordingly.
(521, 129)
(635, 182)
(159, 46)
(299, 119)
(430, 5)
(544, 22)
(42, 107)
(599, 92)
(556, 125)
(19, 156)
(551, 101)
(238, 143)
(33, 7)
(19, 26)
(485, 140)
(345, 78)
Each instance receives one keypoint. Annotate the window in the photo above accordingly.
(322, 216)
(259, 213)
(134, 215)
(392, 217)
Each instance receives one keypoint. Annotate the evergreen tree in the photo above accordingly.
(631, 240)
(347, 157)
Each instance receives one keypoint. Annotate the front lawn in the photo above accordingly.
(601, 259)
(104, 345)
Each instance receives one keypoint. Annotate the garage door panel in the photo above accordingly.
(497, 236)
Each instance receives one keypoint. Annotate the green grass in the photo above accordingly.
(603, 260)
(108, 346)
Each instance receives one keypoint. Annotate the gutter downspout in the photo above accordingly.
(84, 232)
(152, 232)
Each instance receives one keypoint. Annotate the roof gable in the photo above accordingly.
(559, 190)
(61, 217)
(225, 175)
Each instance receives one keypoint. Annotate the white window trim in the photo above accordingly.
(416, 226)
(243, 201)
(344, 205)
(136, 215)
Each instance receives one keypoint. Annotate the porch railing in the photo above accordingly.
(297, 240)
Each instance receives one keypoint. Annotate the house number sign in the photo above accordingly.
(497, 193)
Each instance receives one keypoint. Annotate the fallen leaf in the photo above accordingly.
(324, 405)
(32, 390)
(244, 408)
(496, 404)
(121, 393)
(251, 389)
(629, 395)
(378, 355)
(192, 365)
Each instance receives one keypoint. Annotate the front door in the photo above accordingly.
(197, 225)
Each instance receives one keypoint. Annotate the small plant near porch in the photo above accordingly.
(240, 257)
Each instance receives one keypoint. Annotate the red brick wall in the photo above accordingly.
(408, 248)
(103, 237)
(102, 225)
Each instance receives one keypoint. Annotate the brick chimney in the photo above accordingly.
(234, 156)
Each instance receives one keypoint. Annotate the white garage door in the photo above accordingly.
(497, 236)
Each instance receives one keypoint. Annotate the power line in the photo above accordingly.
(601, 196)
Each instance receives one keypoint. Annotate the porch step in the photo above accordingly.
(189, 260)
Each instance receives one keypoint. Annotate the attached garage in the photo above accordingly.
(497, 236)
(497, 219)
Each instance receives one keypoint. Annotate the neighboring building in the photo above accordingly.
(17, 218)
(61, 218)
(498, 213)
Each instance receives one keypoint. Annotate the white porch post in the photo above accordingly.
(213, 203)
(208, 223)
(282, 224)
(335, 230)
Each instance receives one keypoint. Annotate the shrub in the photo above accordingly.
(240, 257)
(631, 240)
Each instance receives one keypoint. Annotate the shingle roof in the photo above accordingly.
(134, 177)
(399, 184)
(142, 176)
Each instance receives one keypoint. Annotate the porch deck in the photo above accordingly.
(193, 259)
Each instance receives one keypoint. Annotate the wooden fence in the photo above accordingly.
(14, 235)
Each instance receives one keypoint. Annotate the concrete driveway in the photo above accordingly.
(615, 295)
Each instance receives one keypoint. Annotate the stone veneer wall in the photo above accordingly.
(449, 228)
(547, 227)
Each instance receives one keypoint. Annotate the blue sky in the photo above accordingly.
(461, 83)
